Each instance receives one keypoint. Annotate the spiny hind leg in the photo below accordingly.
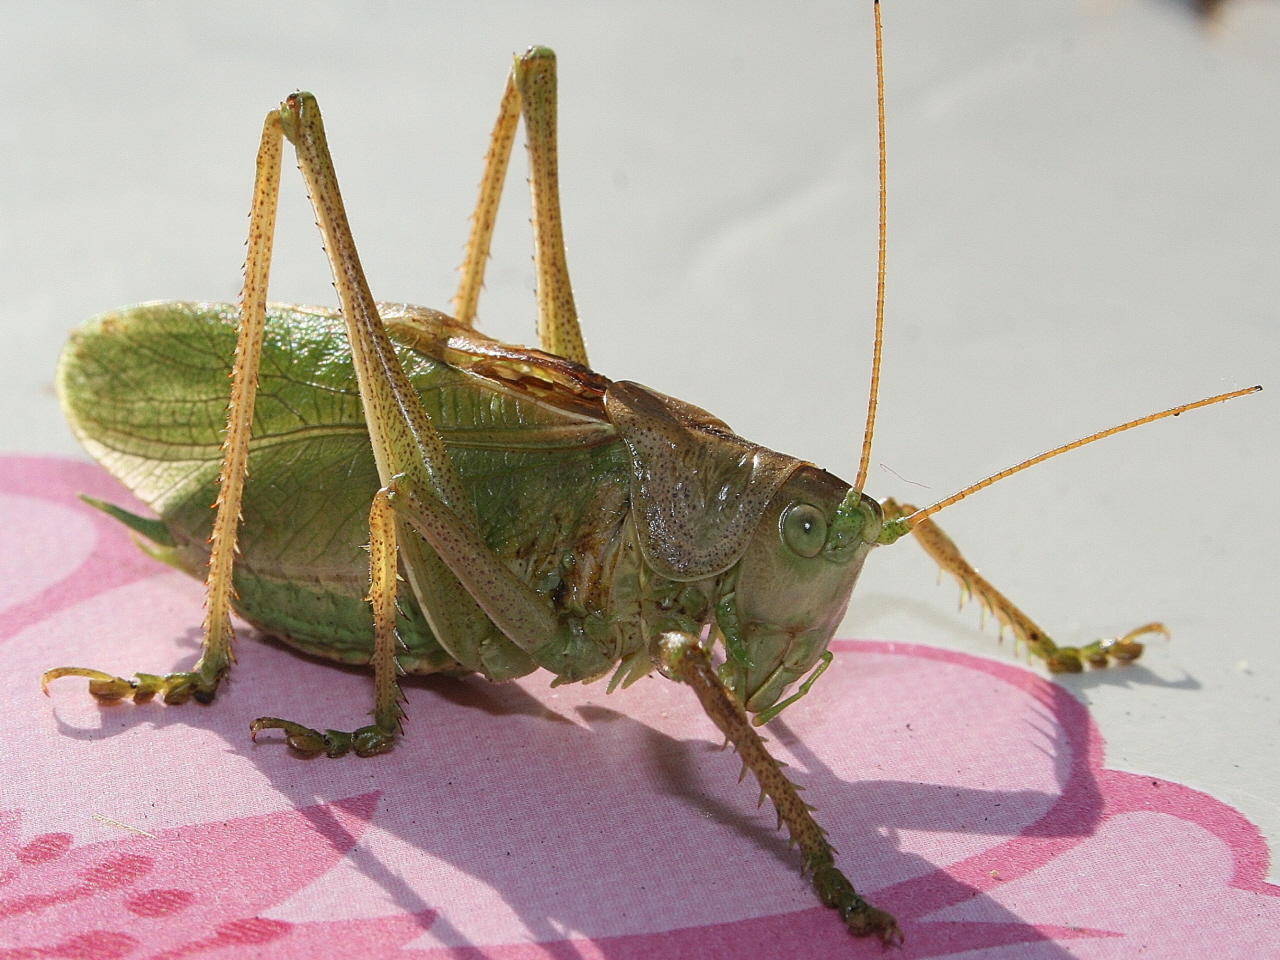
(531, 93)
(682, 658)
(1100, 653)
(406, 445)
(201, 682)
(410, 452)
(378, 737)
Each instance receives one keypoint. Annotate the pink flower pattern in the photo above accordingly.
(187, 892)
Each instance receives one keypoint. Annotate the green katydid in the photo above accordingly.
(540, 514)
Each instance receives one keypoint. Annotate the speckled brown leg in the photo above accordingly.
(216, 657)
(531, 93)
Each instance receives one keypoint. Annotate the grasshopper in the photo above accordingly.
(538, 514)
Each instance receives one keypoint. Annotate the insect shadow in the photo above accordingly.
(430, 804)
(888, 807)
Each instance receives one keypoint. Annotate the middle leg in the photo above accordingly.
(378, 737)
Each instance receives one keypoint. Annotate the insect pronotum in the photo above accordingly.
(519, 510)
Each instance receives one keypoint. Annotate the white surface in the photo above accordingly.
(1084, 227)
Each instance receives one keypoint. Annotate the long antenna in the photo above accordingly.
(904, 525)
(875, 356)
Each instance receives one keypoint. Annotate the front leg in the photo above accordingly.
(1058, 659)
(681, 657)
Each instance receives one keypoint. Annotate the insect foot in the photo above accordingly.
(681, 657)
(366, 742)
(173, 688)
(1101, 653)
(862, 919)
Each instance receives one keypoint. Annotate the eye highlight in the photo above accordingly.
(804, 529)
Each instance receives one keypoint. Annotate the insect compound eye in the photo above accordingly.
(804, 529)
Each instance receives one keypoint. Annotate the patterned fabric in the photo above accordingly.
(967, 796)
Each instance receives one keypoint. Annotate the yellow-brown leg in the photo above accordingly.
(405, 442)
(486, 213)
(380, 736)
(1058, 659)
(407, 449)
(531, 92)
(217, 654)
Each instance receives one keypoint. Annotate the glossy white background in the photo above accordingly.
(1084, 227)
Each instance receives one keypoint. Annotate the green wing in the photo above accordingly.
(145, 389)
